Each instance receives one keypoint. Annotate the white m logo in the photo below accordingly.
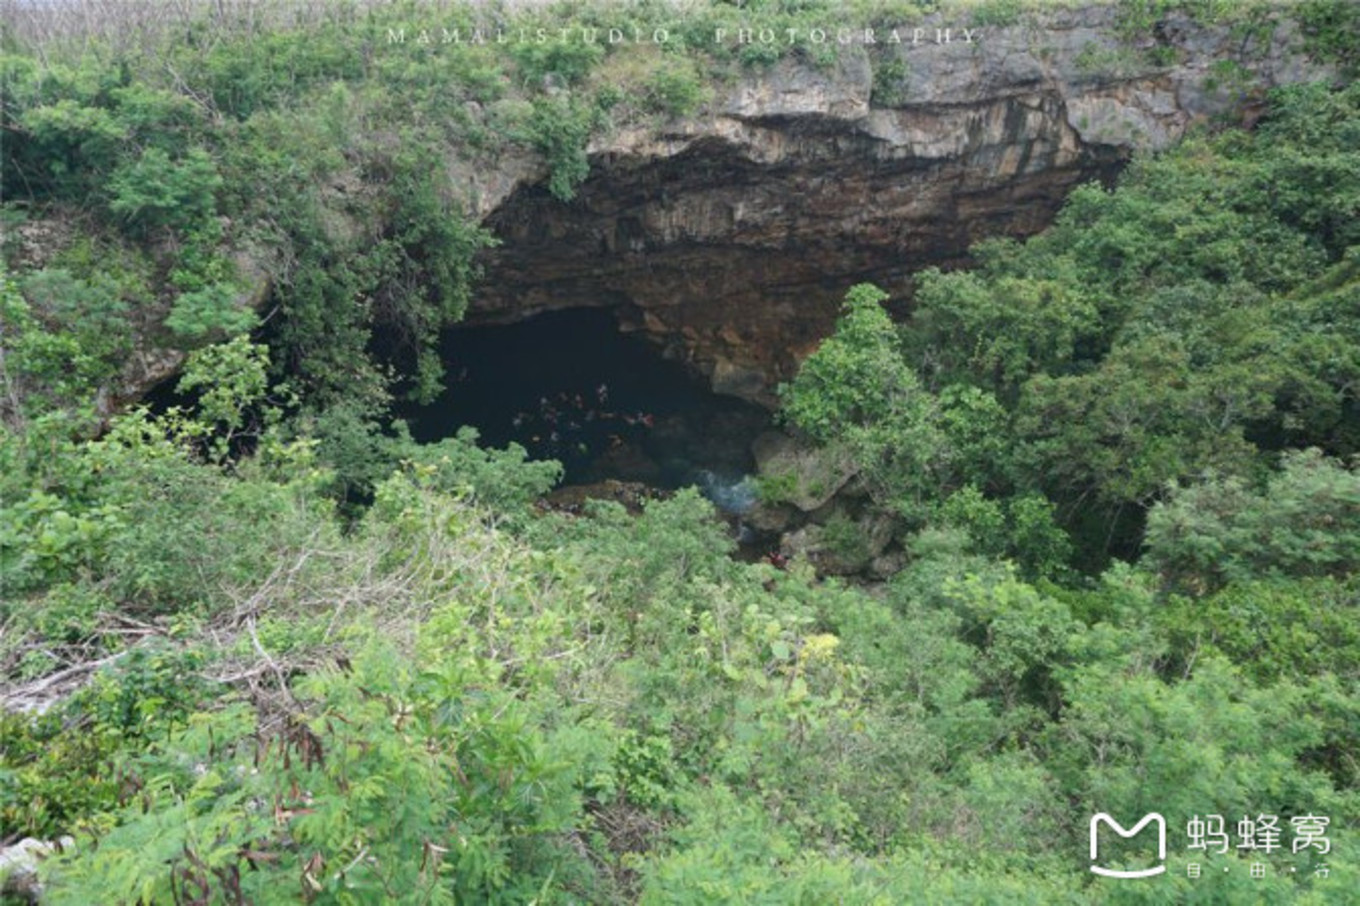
(1119, 829)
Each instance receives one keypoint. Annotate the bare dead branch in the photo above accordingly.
(39, 694)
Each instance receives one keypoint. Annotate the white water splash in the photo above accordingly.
(734, 496)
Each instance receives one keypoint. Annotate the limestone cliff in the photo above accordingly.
(729, 238)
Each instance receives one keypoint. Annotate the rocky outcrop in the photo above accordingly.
(803, 475)
(19, 880)
(152, 358)
(730, 238)
(814, 501)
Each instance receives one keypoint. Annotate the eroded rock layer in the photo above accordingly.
(730, 238)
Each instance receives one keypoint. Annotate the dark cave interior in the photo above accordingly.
(569, 385)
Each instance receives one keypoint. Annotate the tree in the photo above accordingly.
(858, 390)
(1304, 521)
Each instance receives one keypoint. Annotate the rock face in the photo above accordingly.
(151, 361)
(19, 881)
(731, 237)
(808, 475)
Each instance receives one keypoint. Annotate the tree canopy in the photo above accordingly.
(263, 647)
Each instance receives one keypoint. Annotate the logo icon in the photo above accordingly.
(1118, 828)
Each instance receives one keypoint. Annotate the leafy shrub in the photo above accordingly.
(1305, 522)
(569, 61)
(845, 540)
(155, 192)
(51, 775)
(231, 377)
(778, 488)
(855, 377)
(68, 765)
(1332, 30)
(997, 13)
(442, 770)
(674, 87)
(189, 536)
(397, 788)
(48, 369)
(208, 313)
(505, 481)
(75, 143)
(42, 541)
(858, 389)
(891, 77)
(1275, 629)
(561, 128)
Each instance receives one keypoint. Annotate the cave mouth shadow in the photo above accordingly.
(569, 385)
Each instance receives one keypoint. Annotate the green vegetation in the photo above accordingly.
(315, 151)
(1332, 28)
(310, 660)
(1200, 318)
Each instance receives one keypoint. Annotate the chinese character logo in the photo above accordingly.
(1207, 834)
(1310, 831)
(1115, 826)
(1262, 833)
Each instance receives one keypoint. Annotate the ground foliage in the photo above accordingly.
(308, 660)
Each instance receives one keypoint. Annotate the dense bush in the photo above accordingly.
(319, 662)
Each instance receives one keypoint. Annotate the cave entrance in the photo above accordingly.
(569, 385)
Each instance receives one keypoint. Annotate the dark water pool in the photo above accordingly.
(570, 386)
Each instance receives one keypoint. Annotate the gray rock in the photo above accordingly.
(731, 379)
(19, 866)
(853, 548)
(808, 475)
(793, 89)
(886, 566)
(765, 517)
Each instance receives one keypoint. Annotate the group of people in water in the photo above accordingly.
(569, 422)
(580, 425)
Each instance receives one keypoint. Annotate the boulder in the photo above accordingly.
(798, 473)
